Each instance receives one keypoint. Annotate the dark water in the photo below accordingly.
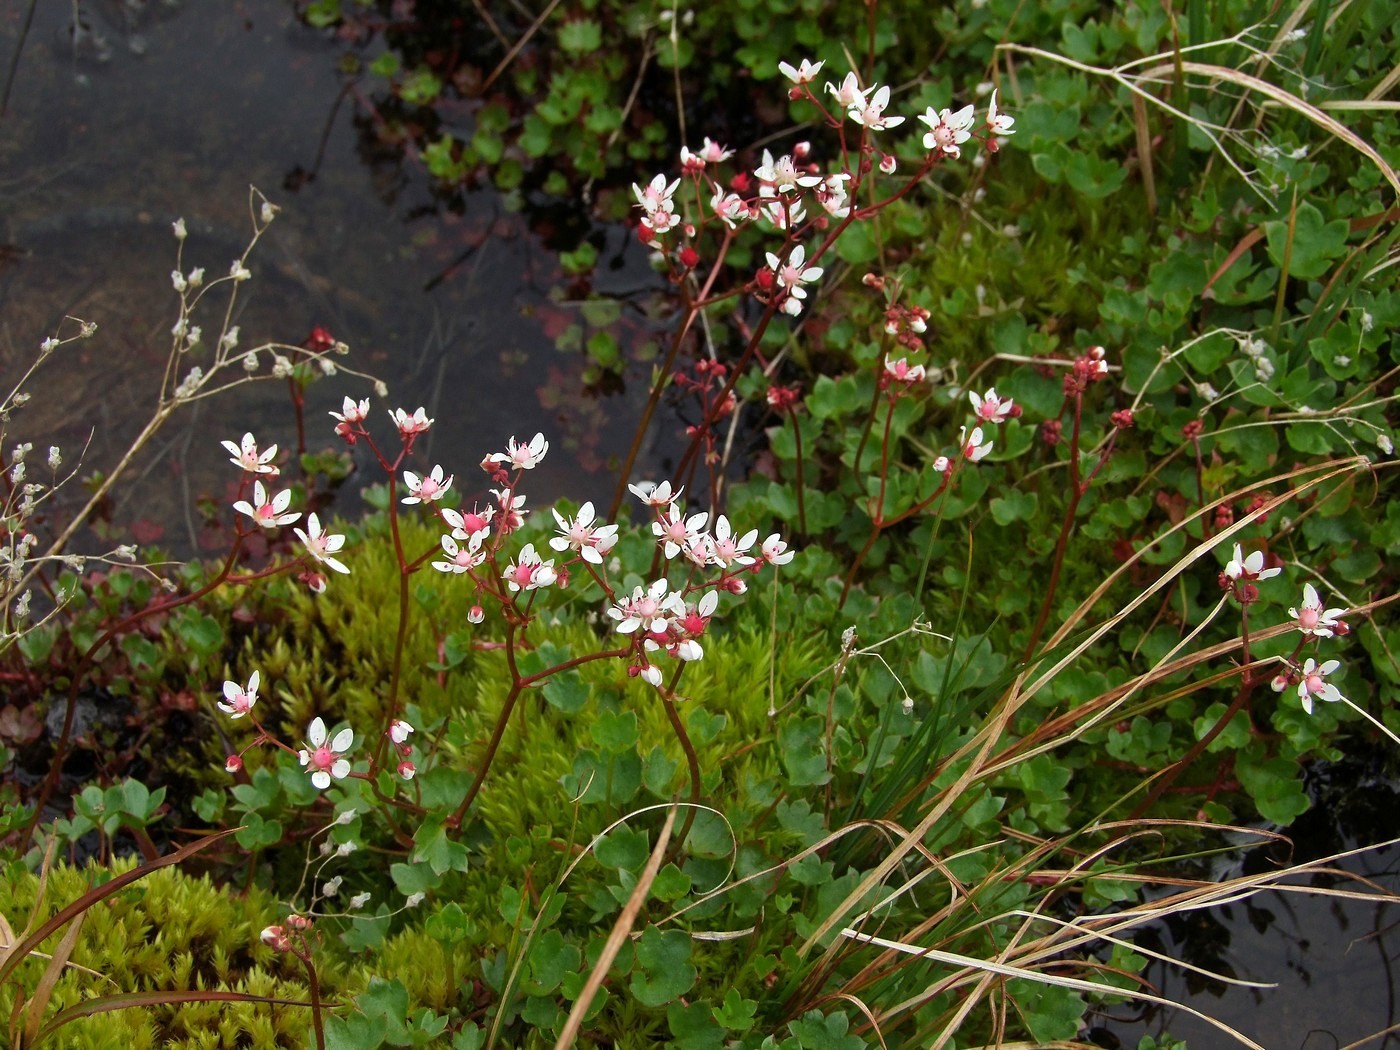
(181, 107)
(1333, 959)
(158, 111)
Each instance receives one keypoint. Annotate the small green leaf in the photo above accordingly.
(664, 971)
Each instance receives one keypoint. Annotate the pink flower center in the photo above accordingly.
(1308, 617)
(523, 574)
(1314, 683)
(943, 135)
(322, 757)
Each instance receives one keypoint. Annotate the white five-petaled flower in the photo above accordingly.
(522, 457)
(654, 495)
(462, 558)
(999, 123)
(528, 572)
(428, 489)
(321, 545)
(947, 130)
(1312, 618)
(848, 94)
(713, 153)
(1314, 684)
(676, 532)
(656, 195)
(325, 759)
(1251, 568)
(901, 371)
(988, 407)
(269, 513)
(870, 113)
(729, 206)
(805, 73)
(972, 446)
(352, 411)
(249, 458)
(726, 549)
(650, 609)
(239, 700)
(579, 533)
(775, 550)
(781, 175)
(410, 426)
(791, 274)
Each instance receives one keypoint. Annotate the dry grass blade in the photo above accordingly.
(43, 991)
(1289, 101)
(968, 963)
(620, 931)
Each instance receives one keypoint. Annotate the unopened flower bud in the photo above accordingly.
(476, 614)
(233, 764)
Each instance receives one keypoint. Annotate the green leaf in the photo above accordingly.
(566, 692)
(1014, 506)
(622, 848)
(736, 1013)
(670, 884)
(693, 1027)
(1316, 242)
(580, 36)
(664, 972)
(433, 846)
(614, 730)
(801, 745)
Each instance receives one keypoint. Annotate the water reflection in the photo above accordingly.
(1334, 959)
(150, 112)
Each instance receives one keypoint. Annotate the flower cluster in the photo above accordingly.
(792, 193)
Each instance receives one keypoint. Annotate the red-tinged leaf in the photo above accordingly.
(145, 531)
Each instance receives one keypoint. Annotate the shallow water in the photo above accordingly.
(176, 114)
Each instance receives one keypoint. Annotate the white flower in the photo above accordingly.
(428, 489)
(239, 700)
(1314, 683)
(654, 495)
(650, 610)
(848, 94)
(1312, 618)
(320, 545)
(269, 513)
(460, 558)
(528, 572)
(870, 112)
(522, 457)
(803, 74)
(1251, 568)
(775, 550)
(972, 446)
(249, 458)
(999, 123)
(399, 730)
(325, 760)
(947, 130)
(580, 534)
(410, 426)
